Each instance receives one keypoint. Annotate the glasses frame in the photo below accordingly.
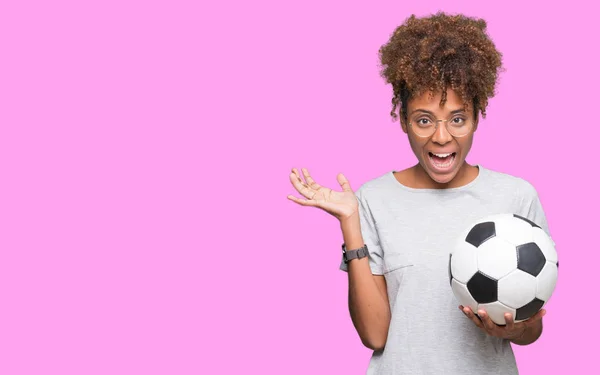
(436, 122)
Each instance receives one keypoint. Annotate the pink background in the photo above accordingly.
(145, 148)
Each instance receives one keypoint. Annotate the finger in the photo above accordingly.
(309, 180)
(299, 177)
(510, 321)
(301, 187)
(471, 313)
(295, 171)
(540, 314)
(487, 321)
(474, 318)
(467, 311)
(344, 182)
(302, 202)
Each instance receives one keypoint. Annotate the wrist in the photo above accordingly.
(351, 232)
(350, 221)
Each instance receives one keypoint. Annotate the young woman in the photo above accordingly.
(398, 227)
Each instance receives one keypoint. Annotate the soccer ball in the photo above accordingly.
(504, 263)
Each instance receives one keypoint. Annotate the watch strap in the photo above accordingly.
(355, 254)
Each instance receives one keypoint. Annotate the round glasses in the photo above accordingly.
(425, 126)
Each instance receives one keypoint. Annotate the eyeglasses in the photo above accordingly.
(425, 125)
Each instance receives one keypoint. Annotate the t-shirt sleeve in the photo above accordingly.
(534, 210)
(370, 236)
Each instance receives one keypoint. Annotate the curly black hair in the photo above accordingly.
(432, 54)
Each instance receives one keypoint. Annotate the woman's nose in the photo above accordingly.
(441, 134)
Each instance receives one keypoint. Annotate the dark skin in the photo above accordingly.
(424, 176)
(521, 333)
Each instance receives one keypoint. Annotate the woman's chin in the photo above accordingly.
(442, 176)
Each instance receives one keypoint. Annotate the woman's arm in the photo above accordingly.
(367, 293)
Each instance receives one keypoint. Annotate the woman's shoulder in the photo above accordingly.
(377, 184)
(498, 180)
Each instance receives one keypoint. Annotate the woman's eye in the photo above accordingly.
(458, 120)
(422, 121)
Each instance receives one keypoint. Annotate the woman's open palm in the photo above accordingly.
(341, 204)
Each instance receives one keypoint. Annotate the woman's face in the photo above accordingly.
(441, 154)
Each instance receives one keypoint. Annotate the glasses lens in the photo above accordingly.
(423, 126)
(459, 126)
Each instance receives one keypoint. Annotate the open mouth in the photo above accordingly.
(442, 161)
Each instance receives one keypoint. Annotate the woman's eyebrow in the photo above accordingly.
(431, 113)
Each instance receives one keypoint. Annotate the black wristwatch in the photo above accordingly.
(354, 254)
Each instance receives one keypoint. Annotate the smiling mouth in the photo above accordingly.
(442, 161)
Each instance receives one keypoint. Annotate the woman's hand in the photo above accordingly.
(341, 204)
(510, 331)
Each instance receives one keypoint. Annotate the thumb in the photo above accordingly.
(343, 182)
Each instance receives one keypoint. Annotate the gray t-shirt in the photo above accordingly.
(409, 233)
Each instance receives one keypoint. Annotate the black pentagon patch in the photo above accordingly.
(530, 309)
(557, 264)
(530, 258)
(483, 288)
(481, 233)
(527, 220)
(450, 269)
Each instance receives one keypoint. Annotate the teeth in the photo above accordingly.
(442, 155)
(444, 164)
